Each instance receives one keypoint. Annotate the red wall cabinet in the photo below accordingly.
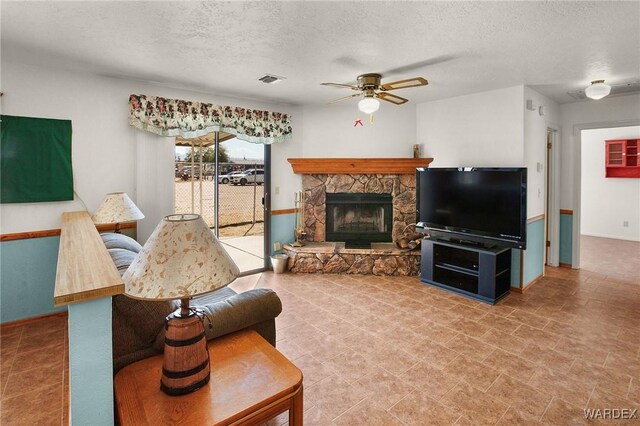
(621, 158)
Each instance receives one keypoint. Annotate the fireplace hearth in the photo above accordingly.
(324, 177)
(358, 219)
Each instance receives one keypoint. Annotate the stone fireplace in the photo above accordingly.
(400, 188)
(345, 198)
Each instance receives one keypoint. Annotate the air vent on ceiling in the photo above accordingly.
(616, 89)
(270, 79)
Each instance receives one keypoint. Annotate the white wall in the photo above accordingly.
(491, 129)
(616, 109)
(329, 131)
(482, 129)
(606, 203)
(535, 152)
(104, 153)
(283, 182)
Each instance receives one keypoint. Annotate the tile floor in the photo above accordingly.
(34, 371)
(605, 255)
(390, 351)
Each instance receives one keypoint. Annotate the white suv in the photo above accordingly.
(248, 176)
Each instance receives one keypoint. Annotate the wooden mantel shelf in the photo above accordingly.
(394, 166)
(85, 269)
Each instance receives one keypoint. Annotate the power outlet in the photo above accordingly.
(277, 246)
(625, 224)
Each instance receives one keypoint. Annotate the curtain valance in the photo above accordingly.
(175, 117)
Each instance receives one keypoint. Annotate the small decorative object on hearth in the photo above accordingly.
(116, 208)
(181, 259)
(298, 231)
(416, 151)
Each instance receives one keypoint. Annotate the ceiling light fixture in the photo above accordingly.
(597, 90)
(369, 105)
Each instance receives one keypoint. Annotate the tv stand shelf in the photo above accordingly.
(479, 272)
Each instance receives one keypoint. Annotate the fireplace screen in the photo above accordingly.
(359, 219)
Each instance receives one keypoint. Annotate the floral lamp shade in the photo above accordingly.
(181, 259)
(117, 207)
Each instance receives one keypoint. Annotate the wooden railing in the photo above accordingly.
(85, 269)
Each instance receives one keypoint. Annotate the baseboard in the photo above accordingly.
(564, 265)
(531, 284)
(25, 321)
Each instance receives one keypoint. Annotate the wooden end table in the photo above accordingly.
(251, 382)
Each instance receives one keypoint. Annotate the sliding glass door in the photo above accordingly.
(228, 188)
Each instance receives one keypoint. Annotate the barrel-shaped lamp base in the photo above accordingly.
(185, 367)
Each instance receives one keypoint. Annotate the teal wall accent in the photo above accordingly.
(91, 363)
(515, 268)
(282, 228)
(27, 277)
(566, 238)
(534, 254)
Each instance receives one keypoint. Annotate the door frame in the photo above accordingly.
(577, 177)
(266, 205)
(552, 194)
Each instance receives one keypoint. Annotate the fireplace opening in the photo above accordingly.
(358, 219)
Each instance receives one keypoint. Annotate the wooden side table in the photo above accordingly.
(251, 382)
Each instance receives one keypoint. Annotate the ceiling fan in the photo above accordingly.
(369, 86)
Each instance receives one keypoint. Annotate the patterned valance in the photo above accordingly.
(175, 117)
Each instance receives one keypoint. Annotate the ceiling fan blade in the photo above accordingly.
(402, 84)
(348, 86)
(392, 98)
(346, 97)
(421, 64)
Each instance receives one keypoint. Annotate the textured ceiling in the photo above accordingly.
(223, 47)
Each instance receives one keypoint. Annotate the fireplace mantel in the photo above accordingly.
(307, 166)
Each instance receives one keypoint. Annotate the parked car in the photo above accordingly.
(186, 173)
(227, 177)
(248, 176)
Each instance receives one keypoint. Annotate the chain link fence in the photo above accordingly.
(241, 210)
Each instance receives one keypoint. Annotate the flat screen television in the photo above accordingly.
(474, 204)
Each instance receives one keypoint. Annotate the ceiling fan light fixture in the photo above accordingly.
(368, 105)
(597, 90)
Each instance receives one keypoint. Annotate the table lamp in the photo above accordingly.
(116, 207)
(181, 259)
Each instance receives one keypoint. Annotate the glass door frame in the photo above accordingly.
(266, 201)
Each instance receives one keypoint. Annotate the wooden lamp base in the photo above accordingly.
(185, 366)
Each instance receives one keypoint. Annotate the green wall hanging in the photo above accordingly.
(35, 160)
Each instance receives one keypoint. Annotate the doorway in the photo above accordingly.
(223, 179)
(609, 207)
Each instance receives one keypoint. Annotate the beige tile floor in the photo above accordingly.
(391, 351)
(34, 371)
(610, 256)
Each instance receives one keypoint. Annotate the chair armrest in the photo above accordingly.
(235, 313)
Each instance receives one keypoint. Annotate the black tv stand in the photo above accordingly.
(476, 271)
(468, 243)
